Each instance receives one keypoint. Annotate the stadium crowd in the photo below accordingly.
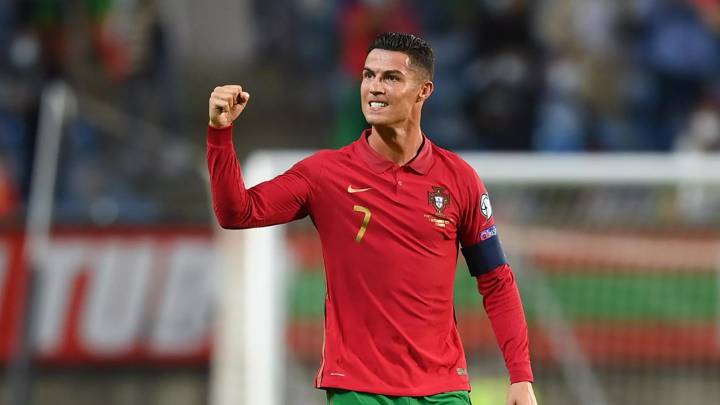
(511, 75)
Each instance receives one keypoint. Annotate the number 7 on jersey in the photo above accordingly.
(365, 221)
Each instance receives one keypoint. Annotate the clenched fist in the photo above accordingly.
(226, 104)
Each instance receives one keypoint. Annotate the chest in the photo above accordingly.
(399, 205)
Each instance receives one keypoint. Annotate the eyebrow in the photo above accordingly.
(387, 72)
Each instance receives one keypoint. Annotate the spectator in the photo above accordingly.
(681, 54)
(359, 22)
(504, 80)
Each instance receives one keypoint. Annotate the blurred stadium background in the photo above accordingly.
(615, 234)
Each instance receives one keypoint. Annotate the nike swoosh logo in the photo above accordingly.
(352, 190)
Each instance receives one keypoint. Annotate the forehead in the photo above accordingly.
(382, 59)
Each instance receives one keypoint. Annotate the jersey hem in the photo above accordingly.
(401, 392)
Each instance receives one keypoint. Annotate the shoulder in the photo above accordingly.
(315, 164)
(324, 157)
(318, 157)
(458, 167)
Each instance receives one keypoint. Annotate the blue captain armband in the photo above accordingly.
(484, 256)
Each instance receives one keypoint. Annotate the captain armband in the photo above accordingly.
(486, 255)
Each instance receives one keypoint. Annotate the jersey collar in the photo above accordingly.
(421, 163)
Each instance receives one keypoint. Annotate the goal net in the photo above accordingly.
(618, 262)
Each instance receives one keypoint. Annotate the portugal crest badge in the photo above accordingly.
(438, 199)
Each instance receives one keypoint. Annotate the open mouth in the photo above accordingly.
(377, 105)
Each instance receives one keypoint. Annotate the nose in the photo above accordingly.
(375, 87)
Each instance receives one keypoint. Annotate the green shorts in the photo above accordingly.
(342, 397)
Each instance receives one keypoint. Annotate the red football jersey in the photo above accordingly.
(390, 237)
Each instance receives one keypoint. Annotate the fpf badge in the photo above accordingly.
(438, 199)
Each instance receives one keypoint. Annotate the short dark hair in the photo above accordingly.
(420, 53)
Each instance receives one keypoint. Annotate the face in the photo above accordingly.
(391, 90)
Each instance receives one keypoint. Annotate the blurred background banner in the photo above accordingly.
(595, 123)
(116, 297)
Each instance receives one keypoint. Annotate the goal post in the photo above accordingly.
(617, 256)
(247, 363)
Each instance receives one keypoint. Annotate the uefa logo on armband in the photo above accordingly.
(488, 233)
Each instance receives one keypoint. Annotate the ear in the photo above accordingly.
(426, 90)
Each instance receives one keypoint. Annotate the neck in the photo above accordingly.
(399, 145)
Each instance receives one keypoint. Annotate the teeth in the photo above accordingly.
(377, 104)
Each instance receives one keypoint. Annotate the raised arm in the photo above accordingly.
(282, 199)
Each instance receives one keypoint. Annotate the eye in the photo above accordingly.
(393, 78)
(366, 75)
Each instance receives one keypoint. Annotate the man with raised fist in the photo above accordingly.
(391, 210)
